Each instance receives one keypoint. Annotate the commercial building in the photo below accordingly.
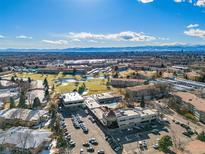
(72, 99)
(106, 98)
(23, 117)
(191, 103)
(130, 117)
(24, 140)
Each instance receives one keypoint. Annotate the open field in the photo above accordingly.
(93, 85)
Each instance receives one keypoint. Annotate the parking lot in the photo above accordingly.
(139, 140)
(144, 141)
(79, 137)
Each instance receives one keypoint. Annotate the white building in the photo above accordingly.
(134, 117)
(72, 99)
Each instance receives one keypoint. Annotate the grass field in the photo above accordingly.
(93, 86)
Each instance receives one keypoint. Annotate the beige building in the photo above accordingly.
(192, 103)
(123, 82)
(126, 118)
(150, 91)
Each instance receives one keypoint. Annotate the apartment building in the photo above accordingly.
(191, 103)
(123, 82)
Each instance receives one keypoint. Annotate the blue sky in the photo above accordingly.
(100, 23)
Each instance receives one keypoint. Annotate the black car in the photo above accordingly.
(90, 149)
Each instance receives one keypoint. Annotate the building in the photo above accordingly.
(106, 98)
(72, 99)
(191, 103)
(130, 117)
(23, 117)
(24, 140)
(123, 82)
(150, 91)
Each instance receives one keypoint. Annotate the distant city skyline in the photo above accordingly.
(101, 23)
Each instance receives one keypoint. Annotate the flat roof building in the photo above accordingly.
(130, 117)
(105, 98)
(72, 99)
(134, 117)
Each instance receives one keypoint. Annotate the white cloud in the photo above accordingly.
(174, 44)
(58, 42)
(122, 36)
(195, 33)
(2, 36)
(193, 26)
(200, 3)
(145, 1)
(180, 1)
(24, 37)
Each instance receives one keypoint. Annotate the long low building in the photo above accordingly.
(109, 97)
(191, 103)
(125, 118)
(147, 91)
(24, 117)
(24, 140)
(72, 99)
(123, 82)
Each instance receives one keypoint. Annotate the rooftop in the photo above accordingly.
(138, 111)
(23, 137)
(22, 114)
(199, 103)
(72, 97)
(142, 87)
(105, 95)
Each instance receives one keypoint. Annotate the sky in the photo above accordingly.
(101, 23)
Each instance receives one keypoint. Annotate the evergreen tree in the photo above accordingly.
(12, 79)
(22, 100)
(45, 83)
(81, 89)
(29, 79)
(142, 103)
(36, 103)
(12, 102)
(46, 93)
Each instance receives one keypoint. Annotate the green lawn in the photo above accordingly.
(94, 86)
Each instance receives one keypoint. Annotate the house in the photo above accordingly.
(24, 140)
(72, 99)
(191, 103)
(23, 117)
(123, 82)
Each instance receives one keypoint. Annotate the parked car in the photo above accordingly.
(155, 146)
(101, 151)
(90, 149)
(86, 144)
